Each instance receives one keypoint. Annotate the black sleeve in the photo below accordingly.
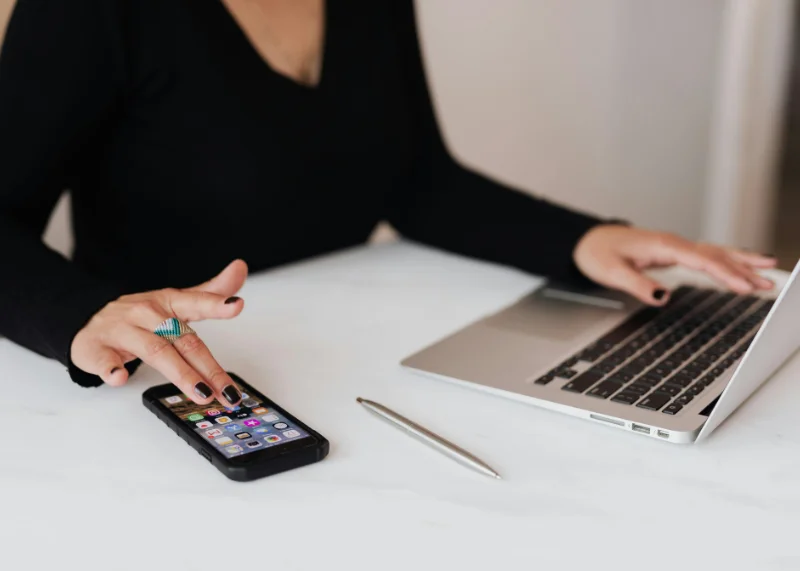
(59, 78)
(448, 206)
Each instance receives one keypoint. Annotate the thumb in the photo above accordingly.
(228, 282)
(625, 277)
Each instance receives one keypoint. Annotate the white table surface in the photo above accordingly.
(90, 480)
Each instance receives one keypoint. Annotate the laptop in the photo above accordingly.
(672, 373)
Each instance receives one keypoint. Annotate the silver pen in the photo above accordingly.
(426, 436)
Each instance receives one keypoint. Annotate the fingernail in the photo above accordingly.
(231, 300)
(203, 390)
(232, 394)
(115, 370)
(659, 294)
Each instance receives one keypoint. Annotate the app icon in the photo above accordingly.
(212, 412)
(272, 438)
(224, 441)
(249, 403)
(213, 433)
(244, 435)
(223, 420)
(194, 417)
(173, 400)
(261, 430)
(242, 415)
(280, 425)
(253, 444)
(260, 410)
(204, 424)
(270, 418)
(233, 427)
(235, 449)
(234, 409)
(245, 396)
(251, 422)
(291, 434)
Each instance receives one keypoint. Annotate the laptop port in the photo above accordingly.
(662, 434)
(607, 419)
(640, 428)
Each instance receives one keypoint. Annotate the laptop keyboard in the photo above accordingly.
(662, 358)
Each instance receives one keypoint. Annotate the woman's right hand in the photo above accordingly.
(123, 331)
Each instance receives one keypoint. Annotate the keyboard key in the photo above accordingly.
(689, 374)
(695, 390)
(624, 376)
(684, 399)
(674, 408)
(548, 378)
(589, 356)
(681, 380)
(654, 401)
(604, 367)
(670, 389)
(626, 397)
(583, 382)
(695, 367)
(605, 389)
(648, 381)
(638, 388)
(707, 380)
(565, 373)
(705, 359)
(661, 371)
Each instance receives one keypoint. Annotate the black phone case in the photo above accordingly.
(253, 470)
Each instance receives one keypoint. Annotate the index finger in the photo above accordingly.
(197, 354)
(201, 305)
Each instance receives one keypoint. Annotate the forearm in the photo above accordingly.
(464, 212)
(44, 298)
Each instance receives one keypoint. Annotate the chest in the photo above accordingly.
(209, 109)
(289, 35)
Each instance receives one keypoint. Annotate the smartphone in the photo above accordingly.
(253, 440)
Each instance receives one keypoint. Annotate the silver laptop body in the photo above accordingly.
(672, 374)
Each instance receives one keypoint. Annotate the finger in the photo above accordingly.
(105, 363)
(752, 259)
(198, 356)
(200, 305)
(228, 282)
(162, 356)
(714, 263)
(747, 271)
(624, 277)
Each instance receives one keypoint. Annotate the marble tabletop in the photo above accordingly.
(90, 480)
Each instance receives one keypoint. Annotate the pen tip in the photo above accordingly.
(497, 476)
(359, 400)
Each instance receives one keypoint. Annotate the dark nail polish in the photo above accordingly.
(232, 394)
(231, 300)
(659, 294)
(115, 370)
(203, 390)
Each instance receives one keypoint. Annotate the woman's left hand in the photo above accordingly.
(616, 256)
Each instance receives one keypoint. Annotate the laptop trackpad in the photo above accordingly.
(555, 318)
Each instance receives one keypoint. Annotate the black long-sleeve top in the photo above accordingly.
(184, 150)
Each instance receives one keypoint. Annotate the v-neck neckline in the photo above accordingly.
(242, 36)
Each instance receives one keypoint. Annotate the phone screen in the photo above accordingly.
(250, 427)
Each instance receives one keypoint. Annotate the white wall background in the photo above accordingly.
(601, 104)
(604, 105)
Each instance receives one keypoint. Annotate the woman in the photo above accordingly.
(195, 132)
